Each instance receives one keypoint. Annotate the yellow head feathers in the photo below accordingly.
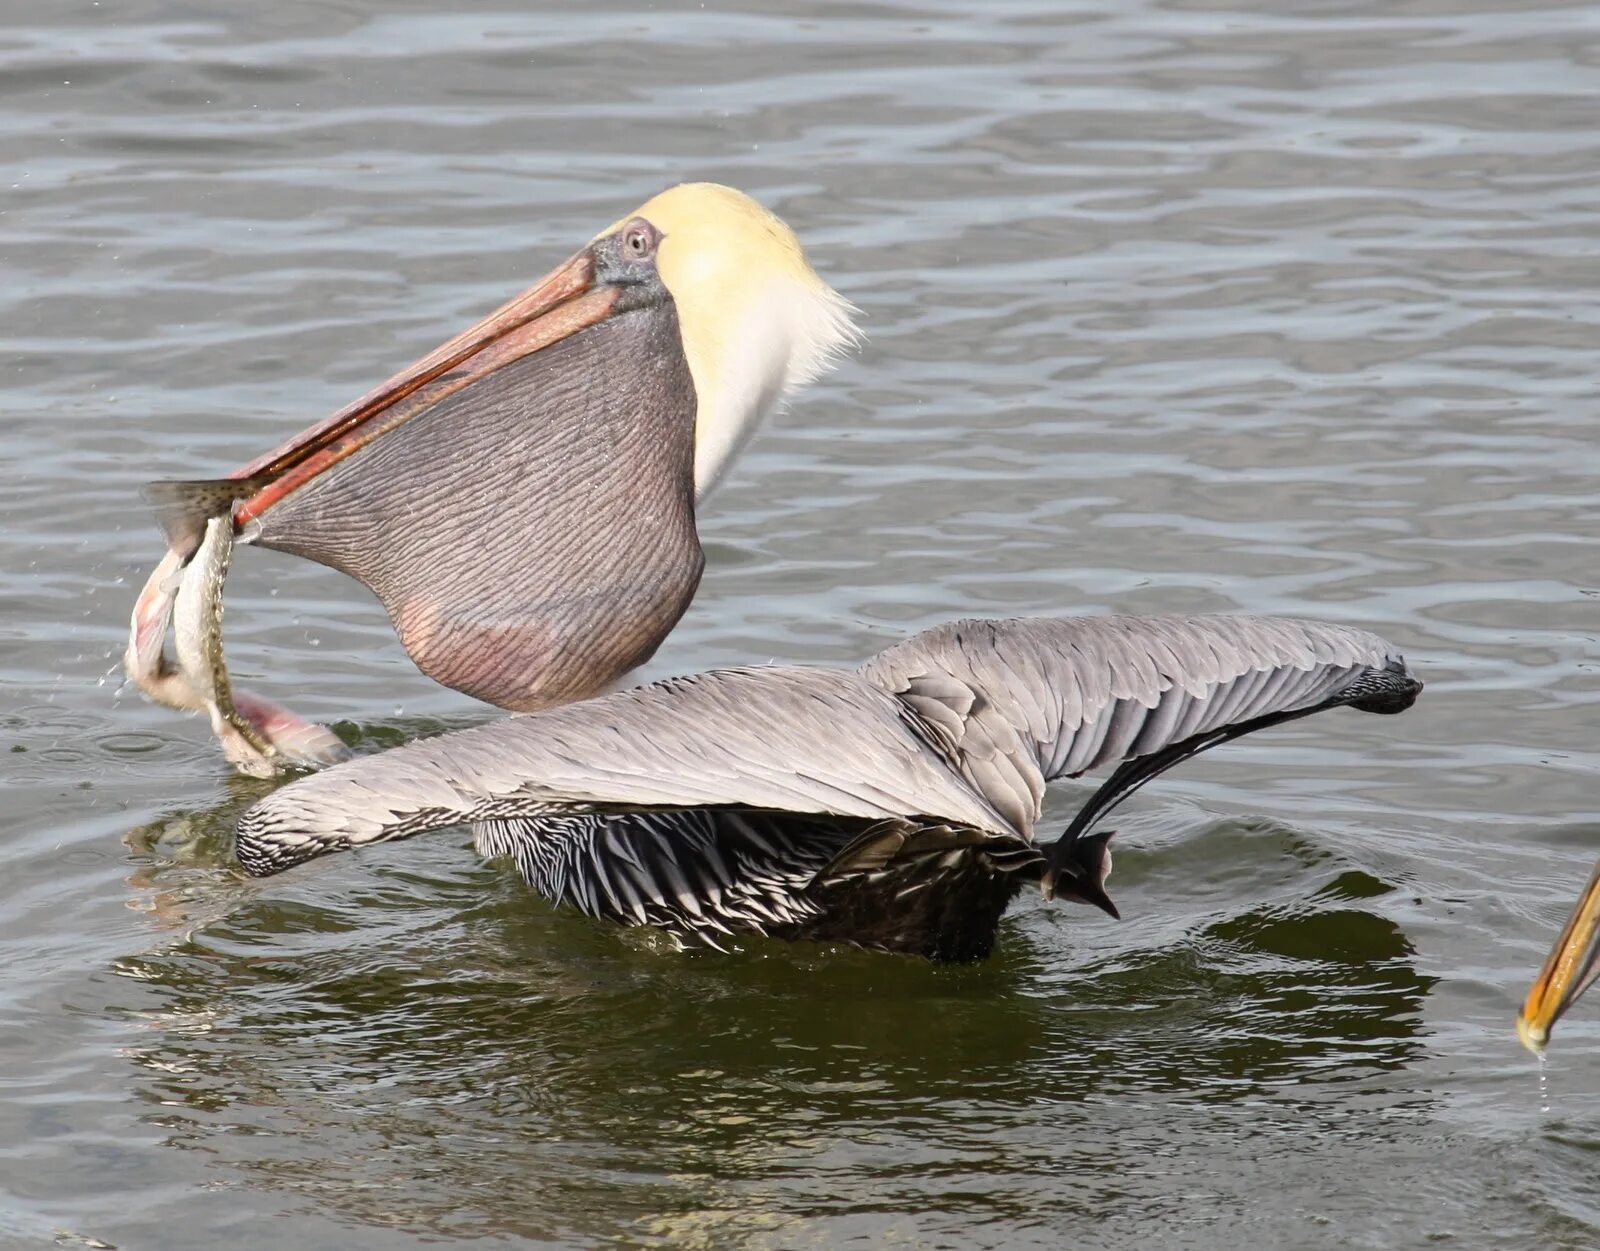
(757, 322)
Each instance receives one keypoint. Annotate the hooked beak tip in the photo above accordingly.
(1569, 970)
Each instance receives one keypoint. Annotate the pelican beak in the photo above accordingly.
(592, 285)
(1568, 971)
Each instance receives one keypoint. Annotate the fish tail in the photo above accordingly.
(183, 508)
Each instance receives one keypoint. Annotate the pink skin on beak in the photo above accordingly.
(564, 302)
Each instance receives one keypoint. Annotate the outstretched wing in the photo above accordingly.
(779, 739)
(1018, 703)
(961, 725)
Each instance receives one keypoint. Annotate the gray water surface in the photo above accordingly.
(1172, 307)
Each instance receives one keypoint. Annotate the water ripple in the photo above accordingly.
(1173, 306)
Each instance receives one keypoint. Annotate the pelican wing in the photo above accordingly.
(1018, 703)
(531, 535)
(962, 725)
(793, 740)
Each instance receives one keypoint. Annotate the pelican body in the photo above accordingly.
(522, 499)
(892, 806)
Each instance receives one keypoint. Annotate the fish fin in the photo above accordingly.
(301, 741)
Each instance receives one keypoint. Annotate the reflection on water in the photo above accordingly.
(338, 1041)
(1173, 306)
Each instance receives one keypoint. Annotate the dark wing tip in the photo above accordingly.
(1384, 691)
(263, 851)
(1077, 867)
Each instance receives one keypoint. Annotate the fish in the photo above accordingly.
(184, 508)
(197, 636)
(183, 597)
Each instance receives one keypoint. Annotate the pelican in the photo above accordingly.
(522, 499)
(892, 806)
(1569, 970)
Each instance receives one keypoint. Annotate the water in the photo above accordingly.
(1173, 307)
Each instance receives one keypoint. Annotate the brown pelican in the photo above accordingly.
(1569, 970)
(522, 499)
(892, 806)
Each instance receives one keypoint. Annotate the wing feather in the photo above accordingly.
(963, 724)
(1053, 698)
(785, 739)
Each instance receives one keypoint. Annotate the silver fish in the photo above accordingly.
(184, 595)
(197, 635)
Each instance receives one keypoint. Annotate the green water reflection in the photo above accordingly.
(410, 1039)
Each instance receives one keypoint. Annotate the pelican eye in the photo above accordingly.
(639, 240)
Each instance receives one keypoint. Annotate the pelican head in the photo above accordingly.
(757, 322)
(522, 498)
